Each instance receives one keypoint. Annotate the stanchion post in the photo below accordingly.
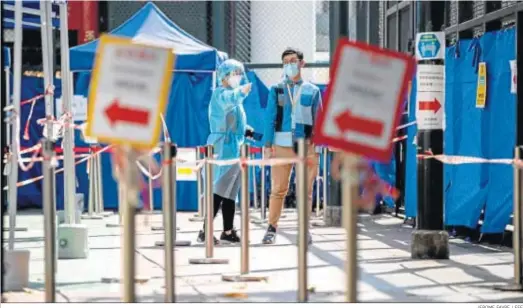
(209, 217)
(303, 213)
(325, 170)
(150, 184)
(169, 203)
(200, 216)
(91, 202)
(130, 202)
(254, 186)
(199, 185)
(263, 192)
(245, 211)
(99, 179)
(49, 220)
(244, 203)
(350, 216)
(96, 185)
(318, 183)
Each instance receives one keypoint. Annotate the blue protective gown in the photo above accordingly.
(228, 123)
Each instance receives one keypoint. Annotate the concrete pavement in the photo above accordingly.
(387, 274)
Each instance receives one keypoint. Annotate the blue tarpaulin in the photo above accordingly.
(476, 132)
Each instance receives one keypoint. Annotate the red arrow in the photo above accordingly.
(115, 113)
(434, 105)
(346, 121)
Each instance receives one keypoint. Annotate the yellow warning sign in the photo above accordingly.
(481, 93)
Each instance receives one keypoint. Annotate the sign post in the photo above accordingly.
(429, 240)
(129, 90)
(376, 81)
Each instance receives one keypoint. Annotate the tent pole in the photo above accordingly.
(67, 96)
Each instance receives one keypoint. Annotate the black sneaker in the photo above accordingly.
(201, 238)
(230, 238)
(270, 235)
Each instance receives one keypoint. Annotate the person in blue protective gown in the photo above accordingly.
(228, 126)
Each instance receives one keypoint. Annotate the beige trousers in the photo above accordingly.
(280, 177)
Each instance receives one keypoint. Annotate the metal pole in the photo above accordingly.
(49, 220)
(263, 192)
(99, 180)
(199, 185)
(67, 96)
(150, 183)
(254, 187)
(169, 203)
(350, 215)
(91, 202)
(516, 234)
(46, 29)
(318, 183)
(209, 217)
(244, 268)
(15, 132)
(325, 173)
(130, 202)
(96, 185)
(303, 225)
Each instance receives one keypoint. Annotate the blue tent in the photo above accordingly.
(187, 112)
(150, 25)
(30, 17)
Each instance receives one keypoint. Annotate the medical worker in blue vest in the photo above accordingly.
(228, 125)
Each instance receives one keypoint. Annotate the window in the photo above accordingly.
(405, 29)
(391, 32)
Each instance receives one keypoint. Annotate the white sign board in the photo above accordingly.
(185, 170)
(513, 77)
(78, 108)
(430, 46)
(430, 99)
(129, 89)
(364, 100)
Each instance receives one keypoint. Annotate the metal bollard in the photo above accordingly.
(255, 186)
(200, 216)
(303, 217)
(49, 220)
(325, 173)
(151, 192)
(99, 179)
(244, 250)
(350, 215)
(245, 212)
(517, 233)
(130, 202)
(169, 217)
(263, 192)
(318, 181)
(91, 205)
(209, 217)
(168, 198)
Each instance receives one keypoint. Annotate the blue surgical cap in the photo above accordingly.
(227, 67)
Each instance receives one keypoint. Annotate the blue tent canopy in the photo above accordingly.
(31, 16)
(7, 57)
(150, 25)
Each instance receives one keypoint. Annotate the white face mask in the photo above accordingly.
(234, 81)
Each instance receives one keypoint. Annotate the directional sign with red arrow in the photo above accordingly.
(433, 105)
(347, 122)
(129, 91)
(115, 112)
(360, 115)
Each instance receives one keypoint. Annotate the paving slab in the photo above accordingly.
(387, 273)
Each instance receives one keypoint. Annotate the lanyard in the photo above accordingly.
(296, 97)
